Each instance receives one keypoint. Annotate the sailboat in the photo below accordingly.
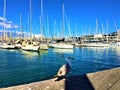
(5, 44)
(18, 42)
(62, 45)
(95, 42)
(30, 45)
(43, 46)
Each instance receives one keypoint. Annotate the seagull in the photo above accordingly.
(64, 69)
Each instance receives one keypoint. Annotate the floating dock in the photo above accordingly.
(102, 80)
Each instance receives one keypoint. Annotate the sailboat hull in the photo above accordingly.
(62, 46)
(31, 48)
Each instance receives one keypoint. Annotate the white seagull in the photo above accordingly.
(64, 69)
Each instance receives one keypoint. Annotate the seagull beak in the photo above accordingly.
(72, 58)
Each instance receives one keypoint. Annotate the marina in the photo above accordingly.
(21, 67)
(59, 45)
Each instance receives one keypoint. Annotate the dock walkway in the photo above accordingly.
(103, 80)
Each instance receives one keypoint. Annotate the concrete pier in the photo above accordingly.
(103, 80)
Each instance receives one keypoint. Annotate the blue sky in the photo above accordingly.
(81, 16)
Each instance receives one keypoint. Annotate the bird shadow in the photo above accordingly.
(77, 82)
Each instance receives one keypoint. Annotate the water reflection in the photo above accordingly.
(29, 67)
(63, 50)
(29, 54)
(8, 50)
(117, 50)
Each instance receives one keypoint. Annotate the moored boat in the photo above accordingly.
(7, 46)
(96, 45)
(43, 46)
(61, 46)
(29, 46)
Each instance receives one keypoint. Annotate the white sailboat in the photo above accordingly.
(95, 42)
(29, 46)
(62, 45)
(4, 44)
(18, 42)
(96, 45)
(7, 46)
(43, 46)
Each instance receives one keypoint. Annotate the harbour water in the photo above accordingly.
(20, 67)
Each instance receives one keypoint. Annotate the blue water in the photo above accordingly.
(21, 67)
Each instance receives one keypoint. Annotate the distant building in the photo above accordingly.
(39, 36)
(118, 35)
(98, 36)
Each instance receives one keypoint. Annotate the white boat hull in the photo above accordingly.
(96, 45)
(61, 46)
(43, 47)
(6, 46)
(31, 48)
(18, 46)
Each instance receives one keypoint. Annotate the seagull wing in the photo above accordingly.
(62, 71)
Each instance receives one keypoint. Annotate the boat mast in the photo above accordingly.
(54, 32)
(63, 21)
(103, 31)
(28, 34)
(30, 23)
(97, 31)
(41, 20)
(107, 26)
(20, 26)
(75, 34)
(48, 25)
(116, 32)
(4, 16)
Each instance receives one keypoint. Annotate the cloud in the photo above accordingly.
(1, 24)
(24, 33)
(15, 26)
(7, 24)
(2, 19)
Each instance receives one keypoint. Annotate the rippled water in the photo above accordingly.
(20, 67)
